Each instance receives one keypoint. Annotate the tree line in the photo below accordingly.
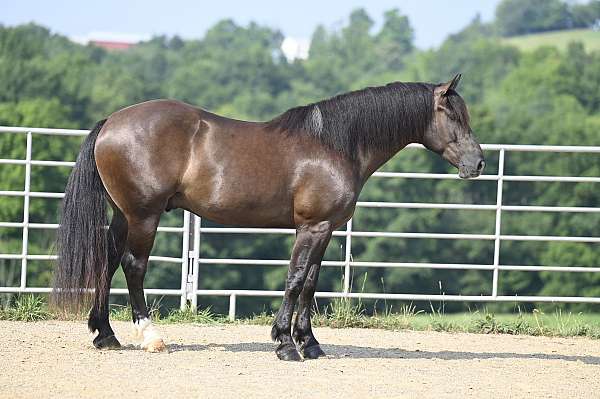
(515, 17)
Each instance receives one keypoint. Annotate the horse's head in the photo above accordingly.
(449, 133)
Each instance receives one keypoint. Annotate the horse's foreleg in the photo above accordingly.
(308, 250)
(303, 335)
(135, 261)
(98, 320)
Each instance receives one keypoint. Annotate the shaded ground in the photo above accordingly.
(56, 359)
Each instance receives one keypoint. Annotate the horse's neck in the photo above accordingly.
(371, 160)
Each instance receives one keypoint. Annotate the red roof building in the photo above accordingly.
(112, 45)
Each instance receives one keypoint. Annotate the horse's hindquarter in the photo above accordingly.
(241, 174)
(141, 153)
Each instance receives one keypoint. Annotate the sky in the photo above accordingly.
(432, 20)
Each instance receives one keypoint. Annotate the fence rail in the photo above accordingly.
(192, 230)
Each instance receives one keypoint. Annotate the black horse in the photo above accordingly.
(304, 169)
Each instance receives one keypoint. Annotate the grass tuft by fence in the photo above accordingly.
(25, 308)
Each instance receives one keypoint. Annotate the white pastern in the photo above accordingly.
(144, 330)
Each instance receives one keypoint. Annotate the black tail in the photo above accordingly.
(82, 237)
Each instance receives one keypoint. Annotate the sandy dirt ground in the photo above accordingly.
(55, 359)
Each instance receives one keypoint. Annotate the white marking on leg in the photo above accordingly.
(145, 331)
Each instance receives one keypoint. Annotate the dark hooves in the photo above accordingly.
(288, 353)
(109, 342)
(313, 352)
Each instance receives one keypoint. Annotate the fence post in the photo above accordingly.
(232, 303)
(27, 189)
(498, 223)
(185, 249)
(192, 278)
(348, 256)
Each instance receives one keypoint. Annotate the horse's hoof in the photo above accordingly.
(156, 346)
(109, 342)
(288, 353)
(313, 352)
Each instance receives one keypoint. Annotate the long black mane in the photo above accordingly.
(382, 117)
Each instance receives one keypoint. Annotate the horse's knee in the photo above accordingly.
(322, 228)
(318, 231)
(294, 288)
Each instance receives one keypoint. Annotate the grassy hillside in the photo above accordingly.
(560, 39)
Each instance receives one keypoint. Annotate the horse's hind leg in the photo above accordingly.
(140, 239)
(303, 335)
(98, 320)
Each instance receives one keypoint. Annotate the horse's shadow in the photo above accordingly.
(366, 352)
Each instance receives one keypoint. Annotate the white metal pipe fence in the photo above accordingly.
(191, 257)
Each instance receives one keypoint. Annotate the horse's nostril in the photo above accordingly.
(480, 165)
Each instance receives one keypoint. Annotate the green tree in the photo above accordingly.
(515, 17)
(587, 14)
(395, 40)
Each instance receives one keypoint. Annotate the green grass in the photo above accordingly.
(558, 323)
(187, 315)
(25, 308)
(558, 39)
(345, 313)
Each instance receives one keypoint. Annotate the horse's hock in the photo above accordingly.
(56, 359)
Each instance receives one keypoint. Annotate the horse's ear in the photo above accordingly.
(443, 89)
(455, 81)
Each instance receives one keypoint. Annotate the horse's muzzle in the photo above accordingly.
(466, 172)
